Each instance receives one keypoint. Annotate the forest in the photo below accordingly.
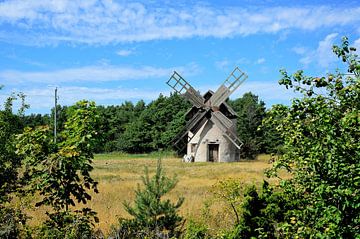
(144, 128)
(316, 140)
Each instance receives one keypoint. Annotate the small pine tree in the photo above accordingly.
(152, 215)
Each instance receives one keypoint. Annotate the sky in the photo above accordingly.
(115, 51)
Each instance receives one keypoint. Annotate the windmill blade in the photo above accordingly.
(192, 126)
(234, 80)
(221, 120)
(182, 87)
(225, 125)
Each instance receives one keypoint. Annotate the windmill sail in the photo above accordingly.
(182, 87)
(225, 125)
(192, 126)
(211, 107)
(234, 80)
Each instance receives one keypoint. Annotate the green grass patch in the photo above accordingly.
(122, 155)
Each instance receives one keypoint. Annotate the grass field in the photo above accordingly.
(119, 174)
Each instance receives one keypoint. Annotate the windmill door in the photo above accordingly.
(213, 152)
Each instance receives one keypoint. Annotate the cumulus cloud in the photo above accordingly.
(124, 52)
(88, 74)
(104, 22)
(357, 46)
(270, 91)
(38, 86)
(260, 61)
(42, 99)
(300, 50)
(222, 65)
(322, 55)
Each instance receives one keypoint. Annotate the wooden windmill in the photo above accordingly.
(210, 131)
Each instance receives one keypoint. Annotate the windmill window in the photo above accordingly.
(193, 148)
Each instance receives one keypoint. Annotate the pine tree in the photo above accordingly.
(153, 215)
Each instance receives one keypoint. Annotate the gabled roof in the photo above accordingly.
(224, 108)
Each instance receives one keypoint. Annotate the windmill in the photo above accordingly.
(210, 131)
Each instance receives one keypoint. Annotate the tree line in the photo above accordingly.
(144, 128)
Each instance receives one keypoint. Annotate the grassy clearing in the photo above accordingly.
(119, 174)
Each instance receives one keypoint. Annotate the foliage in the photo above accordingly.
(321, 151)
(113, 122)
(67, 225)
(130, 128)
(195, 230)
(152, 214)
(272, 140)
(231, 192)
(322, 144)
(256, 211)
(250, 111)
(9, 161)
(156, 126)
(34, 120)
(144, 128)
(11, 218)
(61, 172)
(61, 117)
(260, 213)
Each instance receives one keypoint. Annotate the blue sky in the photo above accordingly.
(112, 51)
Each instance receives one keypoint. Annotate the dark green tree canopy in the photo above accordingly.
(251, 111)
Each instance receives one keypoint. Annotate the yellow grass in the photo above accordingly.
(119, 175)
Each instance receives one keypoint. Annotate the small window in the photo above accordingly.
(193, 148)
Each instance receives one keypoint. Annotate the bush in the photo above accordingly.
(153, 217)
(60, 225)
(11, 221)
(195, 230)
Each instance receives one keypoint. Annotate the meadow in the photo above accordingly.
(119, 175)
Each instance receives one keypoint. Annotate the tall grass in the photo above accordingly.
(119, 174)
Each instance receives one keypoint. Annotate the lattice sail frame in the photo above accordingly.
(232, 82)
(182, 87)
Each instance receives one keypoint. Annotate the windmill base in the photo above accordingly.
(210, 145)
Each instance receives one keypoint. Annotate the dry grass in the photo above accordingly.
(118, 176)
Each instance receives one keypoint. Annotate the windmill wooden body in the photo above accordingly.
(210, 131)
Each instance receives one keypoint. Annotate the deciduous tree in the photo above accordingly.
(321, 132)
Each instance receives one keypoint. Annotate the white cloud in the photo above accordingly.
(222, 65)
(300, 50)
(324, 51)
(38, 86)
(124, 52)
(42, 99)
(267, 91)
(357, 46)
(323, 55)
(95, 22)
(100, 73)
(270, 91)
(260, 61)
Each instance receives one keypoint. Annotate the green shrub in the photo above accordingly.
(68, 225)
(195, 230)
(11, 222)
(153, 217)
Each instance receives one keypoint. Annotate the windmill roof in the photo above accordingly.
(209, 93)
(207, 96)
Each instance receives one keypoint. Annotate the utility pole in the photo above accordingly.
(55, 115)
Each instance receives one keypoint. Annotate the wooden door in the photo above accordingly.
(213, 152)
